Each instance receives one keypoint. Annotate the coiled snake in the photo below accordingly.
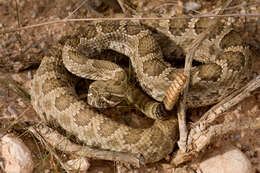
(225, 66)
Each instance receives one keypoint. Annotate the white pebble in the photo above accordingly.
(16, 155)
(227, 159)
(191, 6)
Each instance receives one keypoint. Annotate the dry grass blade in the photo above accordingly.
(12, 85)
(15, 122)
(124, 18)
(49, 148)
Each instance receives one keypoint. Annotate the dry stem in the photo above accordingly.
(127, 18)
(188, 64)
(62, 143)
(201, 136)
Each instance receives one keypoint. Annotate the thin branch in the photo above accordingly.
(199, 137)
(12, 85)
(183, 130)
(207, 136)
(89, 8)
(129, 18)
(64, 144)
(228, 102)
(17, 13)
(74, 11)
(17, 119)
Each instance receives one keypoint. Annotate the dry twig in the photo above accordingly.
(17, 120)
(188, 64)
(89, 8)
(228, 102)
(201, 136)
(13, 86)
(62, 143)
(124, 18)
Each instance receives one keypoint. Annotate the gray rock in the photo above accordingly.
(227, 159)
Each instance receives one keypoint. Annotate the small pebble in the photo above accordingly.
(2, 93)
(80, 164)
(191, 6)
(12, 110)
(22, 3)
(34, 14)
(4, 8)
(251, 154)
(17, 78)
(16, 155)
(237, 136)
(98, 3)
(237, 114)
(29, 75)
(252, 8)
(68, 7)
(42, 44)
(47, 171)
(238, 145)
(21, 103)
(243, 134)
(1, 164)
(18, 66)
(245, 148)
(5, 115)
(254, 161)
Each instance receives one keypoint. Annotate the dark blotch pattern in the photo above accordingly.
(110, 128)
(236, 60)
(153, 67)
(66, 120)
(48, 86)
(147, 44)
(108, 65)
(77, 57)
(231, 39)
(47, 105)
(157, 137)
(42, 71)
(210, 72)
(73, 42)
(110, 26)
(36, 88)
(177, 26)
(88, 31)
(133, 29)
(204, 23)
(64, 101)
(133, 137)
(84, 117)
(113, 143)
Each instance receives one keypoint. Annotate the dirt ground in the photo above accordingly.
(21, 53)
